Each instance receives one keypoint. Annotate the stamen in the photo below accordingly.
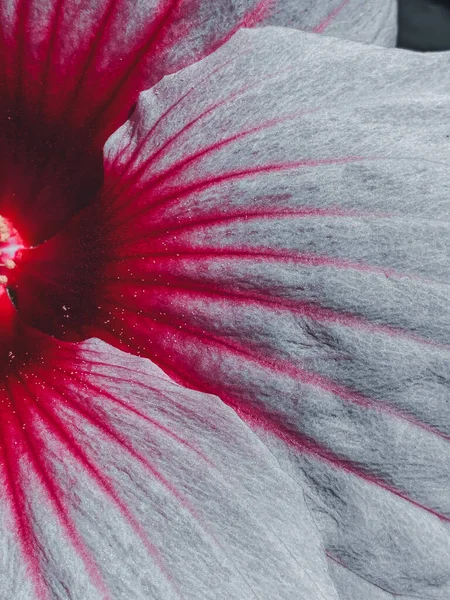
(10, 244)
(4, 230)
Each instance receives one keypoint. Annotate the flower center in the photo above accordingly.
(10, 244)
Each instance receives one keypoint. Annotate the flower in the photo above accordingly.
(271, 229)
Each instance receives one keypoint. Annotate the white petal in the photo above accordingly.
(280, 237)
(359, 20)
(117, 483)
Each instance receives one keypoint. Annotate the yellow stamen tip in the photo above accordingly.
(4, 230)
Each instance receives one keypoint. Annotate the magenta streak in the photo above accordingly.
(16, 500)
(273, 423)
(136, 152)
(102, 392)
(48, 59)
(169, 283)
(264, 214)
(78, 87)
(71, 401)
(320, 28)
(249, 20)
(309, 259)
(95, 42)
(153, 37)
(23, 15)
(108, 430)
(63, 433)
(306, 444)
(260, 12)
(35, 446)
(286, 369)
(162, 150)
(164, 200)
(82, 362)
(282, 368)
(177, 167)
(132, 372)
(203, 525)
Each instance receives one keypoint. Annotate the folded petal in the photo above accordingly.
(274, 229)
(117, 483)
(359, 20)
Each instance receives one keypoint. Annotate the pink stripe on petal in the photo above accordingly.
(374, 22)
(322, 26)
(75, 449)
(163, 514)
(56, 496)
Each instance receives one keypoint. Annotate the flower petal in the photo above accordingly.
(359, 20)
(117, 483)
(74, 63)
(86, 61)
(71, 71)
(274, 229)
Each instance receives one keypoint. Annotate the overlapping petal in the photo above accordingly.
(116, 483)
(275, 230)
(359, 20)
(71, 71)
(83, 63)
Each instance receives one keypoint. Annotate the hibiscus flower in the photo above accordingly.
(224, 367)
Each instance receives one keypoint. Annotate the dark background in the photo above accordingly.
(424, 24)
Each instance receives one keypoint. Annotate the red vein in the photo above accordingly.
(264, 214)
(95, 42)
(310, 259)
(156, 424)
(81, 456)
(153, 37)
(273, 423)
(164, 200)
(153, 182)
(283, 368)
(144, 139)
(162, 150)
(55, 22)
(315, 312)
(320, 28)
(26, 534)
(53, 491)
